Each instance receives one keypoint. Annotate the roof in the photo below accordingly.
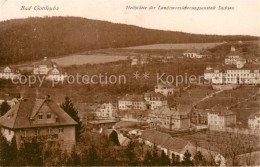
(253, 115)
(234, 53)
(221, 110)
(22, 114)
(13, 69)
(132, 98)
(234, 67)
(165, 140)
(167, 111)
(155, 95)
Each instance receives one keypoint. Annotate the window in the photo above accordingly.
(37, 132)
(40, 116)
(49, 116)
(60, 130)
(49, 130)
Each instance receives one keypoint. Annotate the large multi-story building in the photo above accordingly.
(38, 119)
(168, 118)
(155, 100)
(129, 102)
(254, 120)
(241, 73)
(106, 111)
(221, 116)
(9, 72)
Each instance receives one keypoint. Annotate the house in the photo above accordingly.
(165, 89)
(221, 116)
(254, 120)
(100, 124)
(55, 74)
(240, 74)
(200, 116)
(129, 102)
(106, 111)
(233, 56)
(155, 100)
(168, 118)
(140, 60)
(175, 147)
(38, 119)
(49, 69)
(9, 72)
(196, 54)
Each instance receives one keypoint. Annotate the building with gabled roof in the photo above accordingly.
(9, 72)
(106, 111)
(175, 147)
(221, 116)
(39, 119)
(197, 54)
(155, 100)
(130, 102)
(165, 89)
(169, 118)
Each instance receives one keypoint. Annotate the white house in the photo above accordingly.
(254, 121)
(232, 57)
(155, 100)
(106, 111)
(164, 89)
(9, 72)
(129, 102)
(196, 54)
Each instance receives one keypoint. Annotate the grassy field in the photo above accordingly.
(177, 46)
(86, 59)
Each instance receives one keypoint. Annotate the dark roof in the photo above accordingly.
(155, 95)
(19, 115)
(234, 67)
(132, 98)
(221, 110)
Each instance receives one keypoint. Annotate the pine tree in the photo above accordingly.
(69, 108)
(199, 159)
(114, 138)
(165, 160)
(4, 108)
(93, 158)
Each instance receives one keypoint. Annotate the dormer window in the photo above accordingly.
(49, 116)
(40, 116)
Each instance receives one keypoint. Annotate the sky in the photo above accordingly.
(243, 20)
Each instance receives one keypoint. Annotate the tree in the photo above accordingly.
(148, 159)
(199, 159)
(165, 160)
(13, 151)
(69, 108)
(5, 158)
(4, 108)
(114, 138)
(131, 154)
(187, 159)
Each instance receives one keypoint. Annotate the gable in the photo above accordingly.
(7, 69)
(44, 115)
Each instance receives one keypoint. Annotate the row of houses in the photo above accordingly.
(42, 68)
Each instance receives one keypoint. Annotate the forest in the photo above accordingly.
(33, 38)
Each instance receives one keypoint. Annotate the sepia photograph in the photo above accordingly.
(129, 83)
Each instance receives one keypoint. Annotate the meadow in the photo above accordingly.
(79, 59)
